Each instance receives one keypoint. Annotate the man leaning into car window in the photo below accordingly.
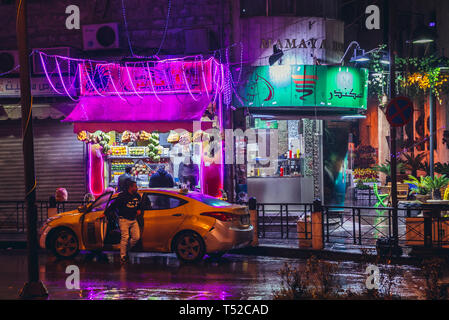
(128, 203)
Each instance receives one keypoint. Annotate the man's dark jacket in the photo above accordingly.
(161, 179)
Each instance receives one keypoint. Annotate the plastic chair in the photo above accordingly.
(446, 194)
(380, 200)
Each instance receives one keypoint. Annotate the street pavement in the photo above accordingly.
(162, 276)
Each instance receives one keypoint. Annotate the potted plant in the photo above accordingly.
(421, 190)
(442, 168)
(386, 169)
(414, 162)
(365, 176)
(436, 184)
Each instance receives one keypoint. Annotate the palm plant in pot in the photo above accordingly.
(442, 168)
(386, 169)
(421, 190)
(414, 162)
(436, 184)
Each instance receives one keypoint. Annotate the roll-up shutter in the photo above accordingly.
(11, 161)
(59, 160)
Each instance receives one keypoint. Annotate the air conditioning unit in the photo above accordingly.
(50, 61)
(9, 59)
(100, 36)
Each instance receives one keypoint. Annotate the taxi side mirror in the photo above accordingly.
(82, 209)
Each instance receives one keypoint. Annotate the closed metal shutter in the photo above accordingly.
(59, 160)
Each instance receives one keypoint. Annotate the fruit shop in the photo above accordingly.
(163, 114)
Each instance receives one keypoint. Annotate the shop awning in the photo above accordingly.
(161, 126)
(40, 111)
(149, 113)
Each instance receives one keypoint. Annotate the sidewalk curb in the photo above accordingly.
(283, 252)
(280, 252)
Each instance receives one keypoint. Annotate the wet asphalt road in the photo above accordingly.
(162, 276)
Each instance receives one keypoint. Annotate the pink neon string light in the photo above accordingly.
(62, 81)
(48, 76)
(204, 79)
(113, 84)
(187, 85)
(216, 83)
(92, 182)
(131, 81)
(90, 80)
(151, 83)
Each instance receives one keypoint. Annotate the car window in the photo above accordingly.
(157, 201)
(210, 201)
(101, 203)
(108, 210)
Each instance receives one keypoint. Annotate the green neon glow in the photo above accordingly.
(304, 86)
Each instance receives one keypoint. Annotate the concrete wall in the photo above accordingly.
(146, 22)
(303, 39)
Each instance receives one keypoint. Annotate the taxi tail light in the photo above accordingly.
(222, 216)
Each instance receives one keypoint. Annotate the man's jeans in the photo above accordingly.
(127, 227)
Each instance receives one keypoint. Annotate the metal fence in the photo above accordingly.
(354, 226)
(13, 213)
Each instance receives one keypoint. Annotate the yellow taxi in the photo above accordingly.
(190, 224)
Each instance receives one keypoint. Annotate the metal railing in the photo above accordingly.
(354, 226)
(13, 213)
(279, 221)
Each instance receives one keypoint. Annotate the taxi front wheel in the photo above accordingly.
(189, 246)
(64, 244)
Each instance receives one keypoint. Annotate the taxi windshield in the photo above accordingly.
(210, 201)
(101, 202)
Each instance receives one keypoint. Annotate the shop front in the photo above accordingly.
(298, 106)
(147, 116)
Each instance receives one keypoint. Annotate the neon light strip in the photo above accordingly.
(90, 173)
(220, 121)
(47, 75)
(204, 79)
(113, 84)
(187, 85)
(90, 79)
(151, 82)
(131, 80)
(216, 83)
(202, 170)
(62, 81)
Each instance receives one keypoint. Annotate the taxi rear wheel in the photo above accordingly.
(189, 246)
(64, 244)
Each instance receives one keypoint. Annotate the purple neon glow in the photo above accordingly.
(204, 78)
(113, 83)
(62, 81)
(90, 79)
(134, 109)
(217, 86)
(48, 76)
(187, 84)
(90, 175)
(151, 83)
(131, 81)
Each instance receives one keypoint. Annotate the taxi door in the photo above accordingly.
(93, 226)
(163, 216)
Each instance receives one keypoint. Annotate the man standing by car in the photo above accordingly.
(128, 205)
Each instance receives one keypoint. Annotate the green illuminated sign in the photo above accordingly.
(303, 86)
